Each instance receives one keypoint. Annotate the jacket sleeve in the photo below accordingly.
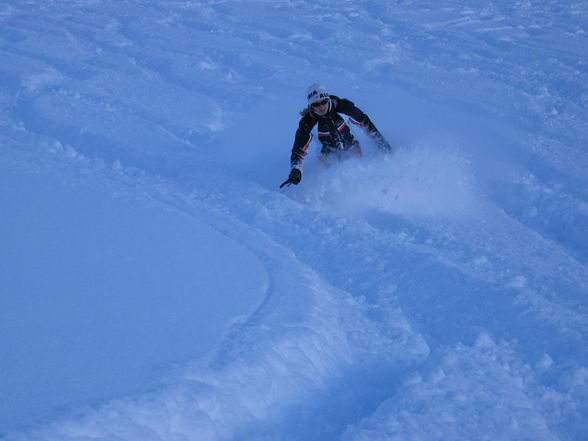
(302, 141)
(360, 119)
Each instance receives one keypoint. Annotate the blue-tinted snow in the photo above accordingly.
(155, 284)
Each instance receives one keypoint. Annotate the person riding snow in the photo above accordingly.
(333, 132)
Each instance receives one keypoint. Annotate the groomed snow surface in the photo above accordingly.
(155, 285)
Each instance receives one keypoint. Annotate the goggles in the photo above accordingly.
(320, 103)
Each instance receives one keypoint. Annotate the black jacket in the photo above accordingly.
(333, 131)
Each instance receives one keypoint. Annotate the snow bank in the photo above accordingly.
(275, 373)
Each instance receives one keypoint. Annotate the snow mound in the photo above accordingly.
(479, 392)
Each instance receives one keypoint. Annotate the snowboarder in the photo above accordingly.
(333, 132)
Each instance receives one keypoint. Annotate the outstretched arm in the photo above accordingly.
(361, 119)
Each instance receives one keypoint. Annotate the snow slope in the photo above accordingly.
(156, 285)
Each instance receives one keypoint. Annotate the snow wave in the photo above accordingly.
(423, 181)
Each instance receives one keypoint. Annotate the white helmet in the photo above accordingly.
(316, 92)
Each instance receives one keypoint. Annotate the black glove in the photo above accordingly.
(294, 178)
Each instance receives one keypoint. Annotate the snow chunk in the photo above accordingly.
(517, 282)
(484, 341)
(544, 363)
(40, 80)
